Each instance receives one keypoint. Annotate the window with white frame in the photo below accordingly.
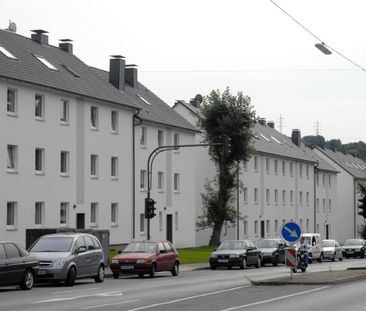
(114, 167)
(160, 181)
(93, 165)
(267, 165)
(291, 169)
(39, 213)
(268, 226)
(283, 197)
(143, 180)
(255, 163)
(330, 180)
(94, 117)
(317, 228)
(276, 196)
(93, 214)
(307, 171)
(300, 198)
(64, 116)
(307, 224)
(283, 221)
(245, 192)
(160, 221)
(330, 205)
(64, 169)
(245, 227)
(276, 227)
(11, 107)
(39, 160)
(276, 166)
(114, 214)
(307, 198)
(301, 224)
(291, 197)
(268, 196)
(323, 205)
(256, 227)
(176, 141)
(176, 182)
(160, 138)
(323, 179)
(317, 205)
(11, 215)
(39, 106)
(283, 168)
(143, 136)
(245, 166)
(255, 195)
(176, 221)
(114, 121)
(12, 165)
(317, 178)
(64, 213)
(300, 170)
(142, 222)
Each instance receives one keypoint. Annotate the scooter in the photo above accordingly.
(301, 261)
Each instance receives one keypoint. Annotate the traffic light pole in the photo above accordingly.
(150, 162)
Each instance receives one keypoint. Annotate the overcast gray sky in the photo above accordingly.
(194, 46)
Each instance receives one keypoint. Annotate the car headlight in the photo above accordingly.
(59, 262)
(145, 261)
(114, 261)
(213, 256)
(234, 256)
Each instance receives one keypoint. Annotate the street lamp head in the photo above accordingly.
(322, 47)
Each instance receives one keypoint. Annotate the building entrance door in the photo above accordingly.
(262, 229)
(169, 227)
(80, 221)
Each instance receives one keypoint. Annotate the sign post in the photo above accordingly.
(291, 233)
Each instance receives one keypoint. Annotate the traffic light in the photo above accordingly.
(226, 145)
(362, 206)
(149, 208)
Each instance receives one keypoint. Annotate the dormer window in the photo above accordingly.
(45, 62)
(6, 53)
(144, 100)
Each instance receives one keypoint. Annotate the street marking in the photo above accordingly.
(75, 291)
(109, 304)
(273, 299)
(107, 294)
(188, 298)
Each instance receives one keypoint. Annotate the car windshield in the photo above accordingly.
(266, 244)
(52, 244)
(233, 245)
(353, 242)
(328, 243)
(140, 247)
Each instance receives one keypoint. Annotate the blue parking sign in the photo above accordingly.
(291, 232)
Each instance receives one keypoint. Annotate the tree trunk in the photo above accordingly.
(216, 234)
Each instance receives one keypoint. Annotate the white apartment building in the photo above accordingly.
(74, 144)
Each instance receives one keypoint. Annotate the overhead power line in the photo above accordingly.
(316, 37)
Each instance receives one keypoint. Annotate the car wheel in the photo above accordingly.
(334, 257)
(71, 277)
(362, 254)
(243, 264)
(99, 278)
(141, 275)
(275, 261)
(115, 275)
(175, 270)
(152, 271)
(341, 258)
(27, 280)
(320, 259)
(213, 267)
(258, 264)
(229, 267)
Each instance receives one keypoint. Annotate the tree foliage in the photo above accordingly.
(224, 114)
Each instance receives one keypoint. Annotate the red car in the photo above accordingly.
(146, 257)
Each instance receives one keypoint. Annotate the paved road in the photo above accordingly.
(195, 290)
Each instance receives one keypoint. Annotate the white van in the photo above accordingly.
(315, 244)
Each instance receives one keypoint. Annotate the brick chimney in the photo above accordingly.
(296, 137)
(131, 75)
(117, 71)
(66, 45)
(271, 124)
(40, 36)
(262, 121)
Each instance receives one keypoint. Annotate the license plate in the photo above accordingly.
(223, 260)
(349, 252)
(41, 272)
(126, 267)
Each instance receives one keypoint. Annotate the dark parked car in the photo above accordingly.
(273, 251)
(146, 257)
(17, 266)
(241, 253)
(69, 256)
(354, 248)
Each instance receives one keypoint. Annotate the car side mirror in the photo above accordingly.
(81, 249)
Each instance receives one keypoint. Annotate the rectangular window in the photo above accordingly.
(143, 180)
(12, 165)
(267, 226)
(245, 165)
(330, 205)
(64, 213)
(39, 213)
(114, 167)
(307, 171)
(323, 205)
(268, 196)
(276, 196)
(330, 180)
(39, 107)
(11, 107)
(283, 197)
(176, 220)
(323, 179)
(176, 182)
(64, 170)
(300, 170)
(307, 224)
(245, 191)
(317, 178)
(94, 166)
(276, 227)
(255, 164)
(256, 227)
(317, 228)
(307, 198)
(93, 214)
(114, 214)
(7, 53)
(301, 225)
(160, 138)
(160, 221)
(283, 168)
(114, 121)
(267, 165)
(160, 181)
(64, 117)
(45, 62)
(11, 215)
(245, 225)
(276, 166)
(94, 117)
(317, 205)
(300, 198)
(176, 142)
(291, 169)
(142, 222)
(256, 195)
(143, 137)
(291, 197)
(39, 161)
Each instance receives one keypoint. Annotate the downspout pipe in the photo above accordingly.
(136, 121)
(315, 173)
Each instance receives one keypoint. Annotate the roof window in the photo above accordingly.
(276, 140)
(69, 70)
(45, 62)
(267, 139)
(144, 100)
(6, 53)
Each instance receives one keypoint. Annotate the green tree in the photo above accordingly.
(224, 115)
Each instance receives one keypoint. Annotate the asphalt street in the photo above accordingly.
(192, 290)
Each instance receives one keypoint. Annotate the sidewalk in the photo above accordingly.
(317, 278)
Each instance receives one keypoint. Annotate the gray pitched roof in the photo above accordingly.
(91, 82)
(353, 165)
(322, 164)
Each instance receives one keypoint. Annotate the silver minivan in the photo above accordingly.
(69, 256)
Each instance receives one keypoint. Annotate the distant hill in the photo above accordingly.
(356, 149)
